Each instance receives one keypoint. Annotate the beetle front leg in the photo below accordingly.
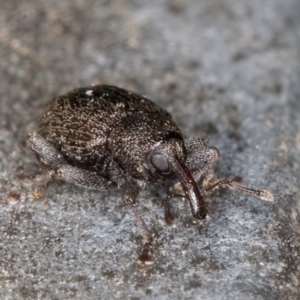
(131, 191)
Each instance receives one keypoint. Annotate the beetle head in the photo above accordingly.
(167, 157)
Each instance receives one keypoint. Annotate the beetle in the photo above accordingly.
(103, 136)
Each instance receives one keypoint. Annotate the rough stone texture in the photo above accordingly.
(227, 70)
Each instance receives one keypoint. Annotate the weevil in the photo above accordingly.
(103, 136)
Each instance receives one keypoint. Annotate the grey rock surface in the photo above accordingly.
(228, 71)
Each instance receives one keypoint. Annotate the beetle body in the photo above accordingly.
(106, 129)
(104, 136)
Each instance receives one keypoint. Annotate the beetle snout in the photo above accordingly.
(189, 187)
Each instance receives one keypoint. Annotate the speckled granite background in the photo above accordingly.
(228, 71)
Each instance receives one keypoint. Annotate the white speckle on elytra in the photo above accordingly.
(89, 92)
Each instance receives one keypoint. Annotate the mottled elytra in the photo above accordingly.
(103, 136)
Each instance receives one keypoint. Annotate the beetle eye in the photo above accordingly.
(159, 162)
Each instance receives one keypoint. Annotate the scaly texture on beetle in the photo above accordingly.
(104, 136)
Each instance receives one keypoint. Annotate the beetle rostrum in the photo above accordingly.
(103, 136)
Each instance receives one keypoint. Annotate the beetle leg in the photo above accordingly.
(41, 185)
(46, 154)
(169, 217)
(55, 167)
(131, 191)
(83, 178)
(48, 158)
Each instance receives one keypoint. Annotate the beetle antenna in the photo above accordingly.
(262, 194)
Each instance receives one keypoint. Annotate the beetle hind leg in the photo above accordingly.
(41, 185)
(55, 167)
